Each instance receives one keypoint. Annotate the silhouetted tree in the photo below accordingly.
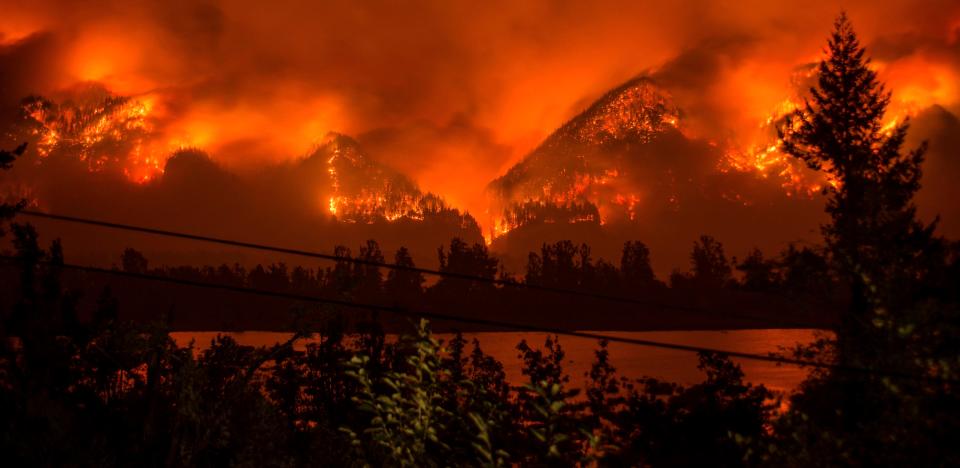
(132, 261)
(369, 278)
(759, 274)
(339, 279)
(888, 258)
(603, 277)
(665, 424)
(303, 280)
(874, 234)
(635, 266)
(403, 286)
(534, 274)
(462, 259)
(272, 278)
(710, 266)
(805, 272)
(231, 276)
(559, 265)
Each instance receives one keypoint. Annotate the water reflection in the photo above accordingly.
(631, 361)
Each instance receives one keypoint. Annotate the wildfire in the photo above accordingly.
(769, 162)
(574, 176)
(362, 191)
(581, 183)
(890, 127)
(629, 202)
(571, 177)
(143, 169)
(638, 110)
(766, 159)
(333, 205)
(111, 133)
(104, 131)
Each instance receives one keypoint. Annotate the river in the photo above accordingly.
(632, 361)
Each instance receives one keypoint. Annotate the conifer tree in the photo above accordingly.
(874, 237)
(710, 266)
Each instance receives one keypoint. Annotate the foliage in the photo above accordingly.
(710, 268)
(874, 235)
(895, 268)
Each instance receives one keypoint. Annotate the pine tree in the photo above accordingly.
(874, 237)
(635, 266)
(710, 265)
(404, 286)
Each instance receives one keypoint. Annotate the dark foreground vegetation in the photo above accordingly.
(97, 389)
(796, 290)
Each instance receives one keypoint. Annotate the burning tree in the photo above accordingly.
(580, 169)
(95, 127)
(360, 190)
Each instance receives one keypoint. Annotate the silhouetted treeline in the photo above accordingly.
(109, 392)
(796, 289)
(105, 391)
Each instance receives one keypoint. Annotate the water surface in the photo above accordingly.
(632, 361)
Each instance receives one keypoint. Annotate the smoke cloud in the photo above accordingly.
(454, 93)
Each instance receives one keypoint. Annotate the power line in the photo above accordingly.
(413, 269)
(496, 323)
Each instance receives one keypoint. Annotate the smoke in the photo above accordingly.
(450, 93)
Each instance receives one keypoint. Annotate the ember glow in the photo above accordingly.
(362, 191)
(571, 177)
(762, 156)
(99, 130)
(327, 175)
(504, 110)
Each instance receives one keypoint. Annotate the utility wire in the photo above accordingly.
(426, 271)
(498, 323)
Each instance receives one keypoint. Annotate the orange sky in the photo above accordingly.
(453, 93)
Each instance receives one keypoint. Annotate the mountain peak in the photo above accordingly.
(635, 110)
(332, 138)
(583, 165)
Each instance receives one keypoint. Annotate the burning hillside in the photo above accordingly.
(92, 126)
(693, 145)
(574, 171)
(629, 153)
(91, 129)
(360, 190)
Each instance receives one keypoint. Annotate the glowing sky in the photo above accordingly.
(451, 93)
